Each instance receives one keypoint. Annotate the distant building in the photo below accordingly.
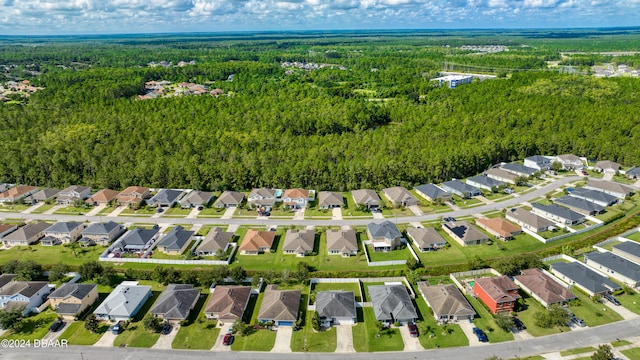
(453, 81)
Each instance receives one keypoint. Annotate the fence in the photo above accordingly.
(555, 238)
(388, 262)
(454, 276)
(558, 257)
(105, 257)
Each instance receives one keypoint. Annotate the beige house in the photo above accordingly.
(465, 233)
(228, 303)
(256, 242)
(342, 242)
(400, 196)
(71, 299)
(63, 232)
(17, 192)
(133, 195)
(499, 227)
(102, 197)
(299, 242)
(26, 235)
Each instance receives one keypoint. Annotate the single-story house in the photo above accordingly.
(615, 266)
(336, 307)
(433, 192)
(330, 199)
(6, 229)
(484, 182)
(138, 239)
(262, 197)
(102, 233)
(392, 303)
(176, 241)
(519, 170)
(228, 303)
(609, 187)
(43, 195)
(63, 232)
(633, 173)
(280, 306)
(595, 196)
(570, 161)
(499, 227)
(176, 302)
(342, 242)
(256, 241)
(216, 240)
(17, 192)
(400, 196)
(102, 197)
(229, 199)
(123, 302)
(366, 197)
(502, 175)
(498, 293)
(464, 233)
(26, 235)
(543, 287)
(538, 162)
(165, 198)
(384, 236)
(629, 250)
(196, 198)
(71, 299)
(26, 295)
(607, 166)
(426, 239)
(297, 198)
(133, 195)
(578, 274)
(580, 205)
(73, 193)
(529, 220)
(461, 189)
(557, 213)
(299, 242)
(447, 302)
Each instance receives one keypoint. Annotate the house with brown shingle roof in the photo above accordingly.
(330, 200)
(26, 235)
(229, 199)
(498, 293)
(17, 192)
(6, 229)
(529, 220)
(502, 175)
(499, 227)
(543, 287)
(447, 302)
(102, 197)
(400, 196)
(259, 197)
(228, 303)
(280, 306)
(570, 161)
(426, 239)
(216, 240)
(299, 242)
(607, 166)
(256, 242)
(296, 198)
(366, 197)
(342, 242)
(465, 233)
(133, 195)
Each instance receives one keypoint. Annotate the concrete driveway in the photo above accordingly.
(467, 328)
(96, 210)
(283, 340)
(410, 343)
(344, 334)
(55, 335)
(336, 214)
(298, 214)
(31, 208)
(117, 211)
(218, 345)
(106, 340)
(165, 341)
(416, 210)
(378, 215)
(228, 214)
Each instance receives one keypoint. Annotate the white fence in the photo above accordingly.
(555, 238)
(388, 262)
(472, 273)
(104, 257)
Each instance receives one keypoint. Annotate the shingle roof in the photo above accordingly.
(44, 194)
(432, 191)
(465, 231)
(196, 197)
(446, 300)
(74, 290)
(634, 171)
(296, 193)
(138, 237)
(593, 195)
(330, 198)
(499, 225)
(176, 301)
(17, 192)
(581, 204)
(230, 197)
(616, 263)
(255, 239)
(399, 194)
(299, 240)
(530, 218)
(280, 305)
(215, 240)
(104, 196)
(630, 247)
(609, 186)
(229, 301)
(176, 239)
(425, 237)
(607, 165)
(165, 196)
(460, 186)
(543, 286)
(123, 300)
(342, 240)
(485, 181)
(391, 302)
(263, 192)
(518, 169)
(27, 232)
(585, 277)
(365, 196)
(63, 227)
(385, 229)
(24, 288)
(6, 278)
(336, 304)
(101, 228)
(537, 159)
(502, 174)
(569, 158)
(559, 211)
(498, 288)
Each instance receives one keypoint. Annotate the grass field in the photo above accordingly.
(575, 351)
(528, 317)
(593, 314)
(260, 340)
(631, 353)
(52, 254)
(400, 254)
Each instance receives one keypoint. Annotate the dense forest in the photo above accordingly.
(372, 120)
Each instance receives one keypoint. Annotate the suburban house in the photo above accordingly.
(26, 295)
(629, 250)
(62, 233)
(297, 198)
(299, 242)
(17, 192)
(433, 193)
(366, 197)
(464, 233)
(26, 235)
(342, 242)
(123, 302)
(136, 240)
(165, 198)
(261, 197)
(43, 195)
(229, 199)
(461, 189)
(176, 302)
(538, 162)
(633, 173)
(570, 161)
(6, 229)
(575, 273)
(101, 233)
(498, 293)
(336, 307)
(502, 175)
(391, 303)
(216, 240)
(447, 302)
(400, 196)
(519, 170)
(595, 196)
(133, 195)
(615, 266)
(330, 200)
(71, 299)
(72, 194)
(280, 306)
(176, 241)
(580, 205)
(499, 227)
(612, 188)
(195, 198)
(484, 182)
(228, 303)
(426, 239)
(102, 197)
(606, 166)
(256, 242)
(384, 236)
(543, 287)
(557, 213)
(529, 220)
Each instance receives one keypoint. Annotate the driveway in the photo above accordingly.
(344, 334)
(484, 200)
(410, 343)
(55, 335)
(416, 210)
(31, 208)
(377, 215)
(194, 213)
(218, 345)
(117, 211)
(336, 214)
(624, 312)
(467, 328)
(164, 341)
(283, 340)
(96, 210)
(521, 335)
(54, 209)
(106, 340)
(228, 214)
(298, 214)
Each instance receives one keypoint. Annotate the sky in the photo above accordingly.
(59, 17)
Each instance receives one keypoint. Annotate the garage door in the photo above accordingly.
(285, 323)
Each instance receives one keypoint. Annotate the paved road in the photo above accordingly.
(542, 345)
(541, 192)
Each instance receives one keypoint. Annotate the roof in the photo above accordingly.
(101, 228)
(176, 301)
(610, 186)
(176, 239)
(6, 227)
(342, 240)
(196, 197)
(104, 195)
(17, 192)
(616, 263)
(255, 239)
(485, 180)
(263, 192)
(124, 300)
(595, 195)
(165, 196)
(559, 211)
(74, 188)
(6, 278)
(630, 247)
(336, 304)
(530, 218)
(330, 198)
(296, 193)
(584, 277)
(215, 240)
(425, 237)
(230, 197)
(578, 203)
(498, 288)
(133, 190)
(539, 159)
(432, 191)
(280, 305)
(634, 171)
(544, 287)
(499, 225)
(391, 302)
(385, 229)
(365, 196)
(64, 227)
(44, 194)
(68, 309)
(606, 165)
(446, 300)
(299, 240)
(24, 288)
(73, 290)
(398, 194)
(502, 174)
(27, 232)
(465, 231)
(138, 237)
(568, 158)
(518, 168)
(229, 301)
(460, 186)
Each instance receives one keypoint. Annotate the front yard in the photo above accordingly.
(32, 327)
(200, 333)
(593, 314)
(307, 339)
(433, 335)
(77, 334)
(366, 337)
(485, 321)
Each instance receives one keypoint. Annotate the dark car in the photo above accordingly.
(200, 207)
(577, 321)
(116, 329)
(585, 173)
(57, 325)
(612, 298)
(166, 329)
(159, 210)
(482, 337)
(413, 329)
(518, 324)
(227, 339)
(449, 219)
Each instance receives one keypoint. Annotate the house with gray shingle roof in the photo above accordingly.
(384, 236)
(426, 239)
(400, 196)
(71, 299)
(557, 213)
(102, 233)
(123, 302)
(484, 182)
(176, 241)
(228, 303)
(336, 307)
(16, 193)
(366, 197)
(461, 189)
(578, 274)
(538, 162)
(607, 166)
(137, 239)
(26, 235)
(543, 287)
(63, 232)
(229, 199)
(529, 220)
(580, 205)
(633, 173)
(280, 306)
(72, 194)
(330, 199)
(196, 198)
(433, 192)
(629, 250)
(43, 195)
(26, 295)
(176, 302)
(609, 187)
(392, 303)
(299, 242)
(615, 266)
(262, 197)
(595, 196)
(465, 233)
(216, 240)
(502, 175)
(165, 198)
(519, 170)
(447, 302)
(342, 242)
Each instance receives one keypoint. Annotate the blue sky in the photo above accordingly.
(37, 17)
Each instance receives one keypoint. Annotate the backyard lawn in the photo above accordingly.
(400, 254)
(46, 255)
(367, 339)
(77, 334)
(307, 339)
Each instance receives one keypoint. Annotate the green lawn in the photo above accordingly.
(176, 212)
(314, 212)
(355, 287)
(578, 351)
(144, 211)
(106, 211)
(136, 335)
(200, 333)
(618, 343)
(631, 353)
(260, 340)
(527, 315)
(433, 335)
(72, 210)
(593, 314)
(307, 339)
(400, 254)
(351, 209)
(43, 208)
(364, 334)
(77, 334)
(211, 213)
(14, 207)
(32, 327)
(47, 255)
(630, 301)
(466, 203)
(635, 236)
(485, 321)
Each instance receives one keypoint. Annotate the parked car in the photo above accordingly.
(200, 207)
(585, 173)
(482, 337)
(159, 210)
(116, 329)
(577, 321)
(57, 325)
(227, 339)
(612, 298)
(413, 329)
(449, 219)
(166, 329)
(518, 324)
